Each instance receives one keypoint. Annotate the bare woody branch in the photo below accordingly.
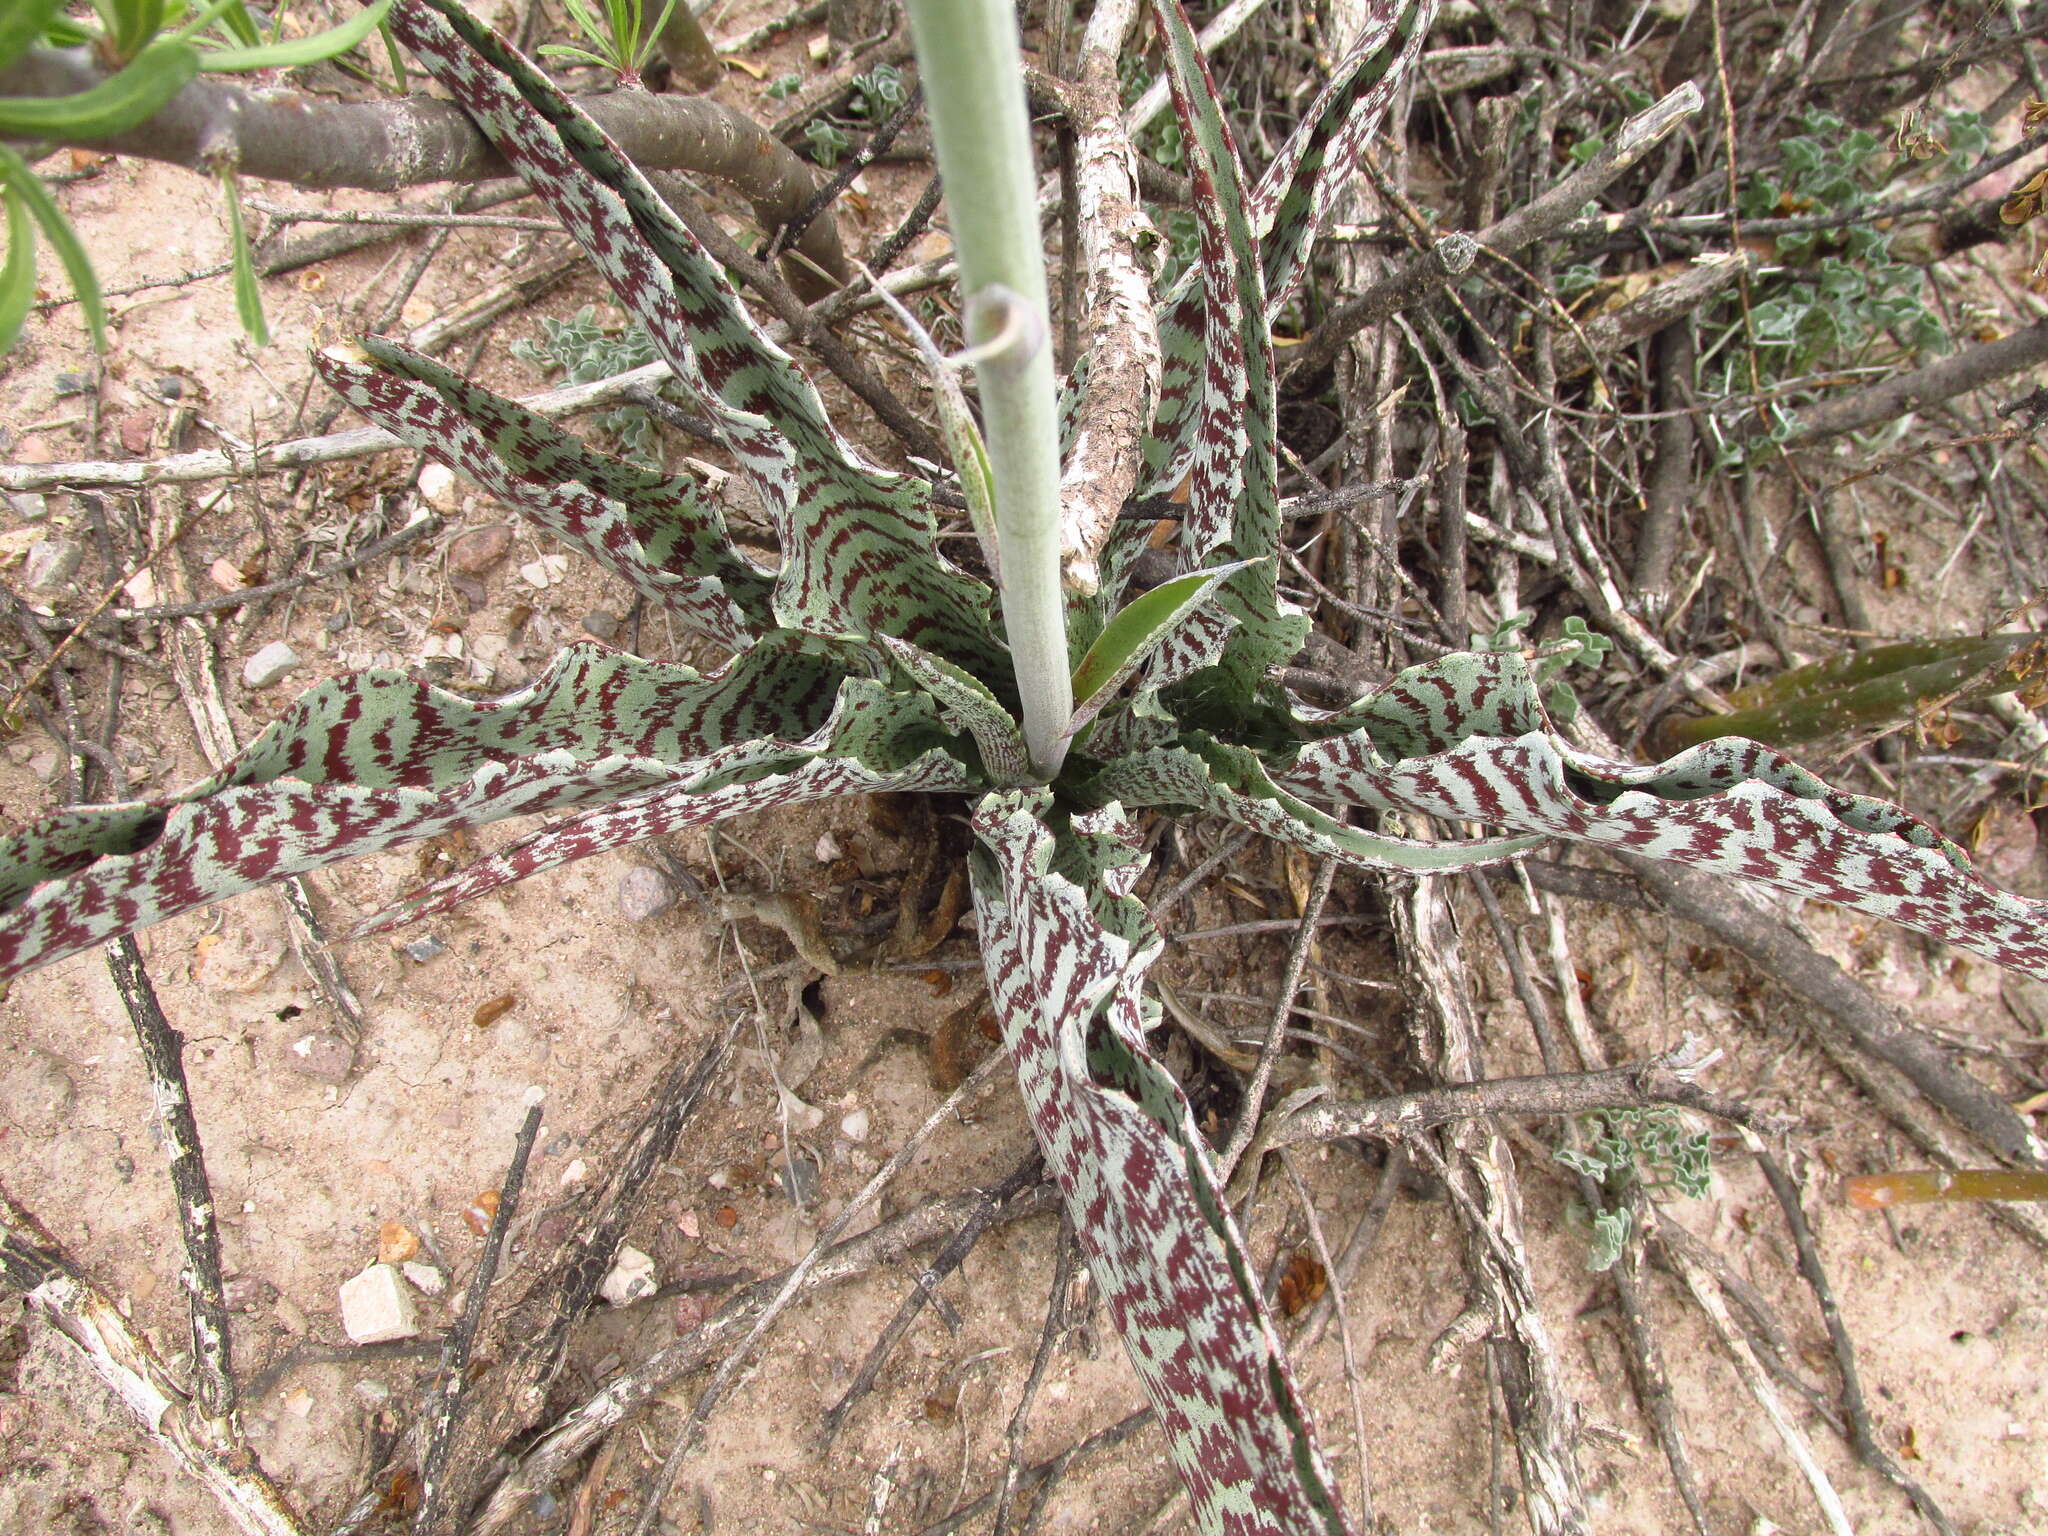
(1123, 367)
(1421, 273)
(33, 1262)
(309, 141)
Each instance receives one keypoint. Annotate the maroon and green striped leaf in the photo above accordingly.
(653, 530)
(1467, 738)
(366, 762)
(1285, 210)
(1066, 950)
(859, 547)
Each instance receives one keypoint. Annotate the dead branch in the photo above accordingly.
(1862, 1436)
(381, 146)
(1479, 1173)
(33, 1262)
(1124, 364)
(1664, 1080)
(451, 1391)
(533, 1332)
(163, 1057)
(1916, 388)
(634, 1386)
(949, 1258)
(1781, 954)
(1421, 274)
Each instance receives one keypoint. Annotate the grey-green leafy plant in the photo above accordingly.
(1066, 703)
(586, 351)
(1652, 1150)
(1833, 297)
(157, 48)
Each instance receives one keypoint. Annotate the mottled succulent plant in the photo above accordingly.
(868, 661)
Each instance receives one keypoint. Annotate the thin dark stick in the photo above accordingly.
(1364, 1237)
(949, 1258)
(912, 226)
(1795, 965)
(1066, 1249)
(389, 544)
(1043, 1475)
(1862, 1437)
(877, 145)
(163, 1056)
(1276, 1032)
(452, 1391)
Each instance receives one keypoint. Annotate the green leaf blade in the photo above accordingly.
(113, 106)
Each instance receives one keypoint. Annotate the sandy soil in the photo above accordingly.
(1946, 1306)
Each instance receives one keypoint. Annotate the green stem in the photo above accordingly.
(969, 60)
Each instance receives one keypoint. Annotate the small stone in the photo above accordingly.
(545, 572)
(601, 624)
(37, 1094)
(479, 549)
(853, 1125)
(322, 1055)
(424, 948)
(437, 487)
(575, 1173)
(51, 563)
(632, 1277)
(396, 1242)
(46, 765)
(828, 850)
(226, 575)
(170, 387)
(269, 665)
(690, 1311)
(687, 1225)
(425, 1279)
(71, 384)
(140, 589)
(247, 1293)
(135, 432)
(645, 893)
(376, 1307)
(29, 506)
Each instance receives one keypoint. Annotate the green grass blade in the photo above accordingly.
(63, 240)
(18, 276)
(248, 297)
(113, 106)
(330, 44)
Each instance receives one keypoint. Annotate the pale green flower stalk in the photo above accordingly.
(969, 56)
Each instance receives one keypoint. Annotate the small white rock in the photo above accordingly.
(853, 1125)
(828, 850)
(425, 1279)
(269, 665)
(375, 1307)
(437, 487)
(29, 506)
(544, 572)
(575, 1173)
(632, 1277)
